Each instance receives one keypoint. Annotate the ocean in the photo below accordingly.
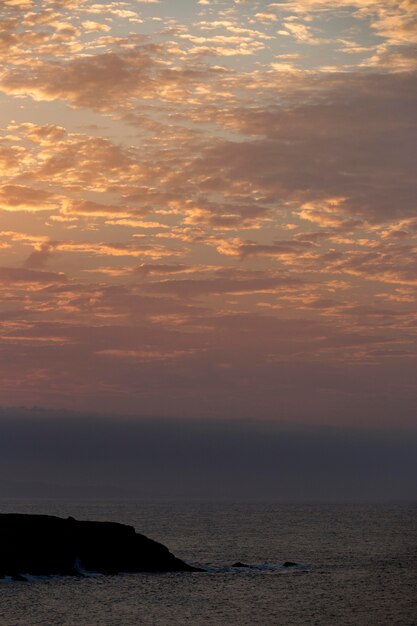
(356, 565)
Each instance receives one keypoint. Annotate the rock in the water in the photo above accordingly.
(289, 564)
(48, 545)
(239, 564)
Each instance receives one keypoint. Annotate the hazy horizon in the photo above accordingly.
(60, 455)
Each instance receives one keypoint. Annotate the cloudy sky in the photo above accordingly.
(208, 209)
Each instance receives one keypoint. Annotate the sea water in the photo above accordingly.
(356, 565)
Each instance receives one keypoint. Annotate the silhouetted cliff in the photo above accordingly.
(48, 545)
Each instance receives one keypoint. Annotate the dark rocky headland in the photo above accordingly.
(48, 545)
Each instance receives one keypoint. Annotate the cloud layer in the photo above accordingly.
(61, 455)
(210, 211)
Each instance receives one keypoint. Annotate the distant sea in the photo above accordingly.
(357, 565)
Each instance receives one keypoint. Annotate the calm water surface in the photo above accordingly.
(357, 566)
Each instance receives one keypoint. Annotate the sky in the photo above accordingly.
(60, 455)
(208, 211)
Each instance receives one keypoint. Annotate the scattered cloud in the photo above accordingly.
(209, 207)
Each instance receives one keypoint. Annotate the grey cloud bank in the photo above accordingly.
(58, 454)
